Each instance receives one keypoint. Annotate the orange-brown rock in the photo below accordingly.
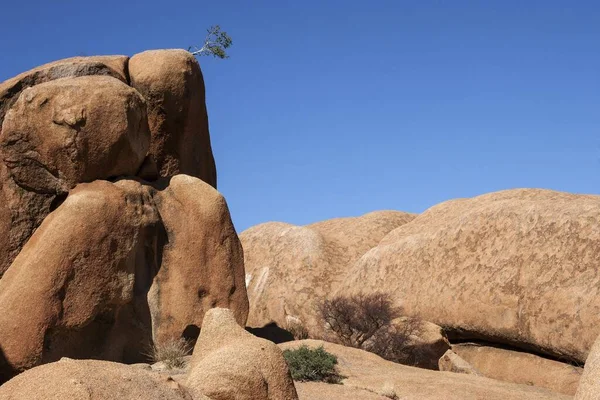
(68, 131)
(452, 362)
(202, 261)
(114, 66)
(520, 367)
(58, 134)
(365, 372)
(517, 267)
(118, 267)
(290, 269)
(231, 364)
(91, 380)
(172, 83)
(75, 289)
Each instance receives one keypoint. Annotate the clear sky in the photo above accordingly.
(338, 108)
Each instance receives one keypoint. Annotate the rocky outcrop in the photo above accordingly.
(104, 251)
(67, 131)
(289, 269)
(452, 362)
(113, 66)
(172, 84)
(520, 367)
(231, 364)
(77, 120)
(366, 372)
(69, 291)
(91, 379)
(518, 267)
(200, 268)
(110, 272)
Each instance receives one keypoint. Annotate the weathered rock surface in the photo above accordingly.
(70, 292)
(231, 364)
(202, 261)
(172, 83)
(589, 384)
(92, 380)
(68, 131)
(517, 267)
(118, 267)
(327, 391)
(452, 362)
(58, 134)
(114, 66)
(366, 371)
(520, 367)
(289, 269)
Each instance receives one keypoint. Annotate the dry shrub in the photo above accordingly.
(393, 342)
(355, 319)
(170, 352)
(365, 321)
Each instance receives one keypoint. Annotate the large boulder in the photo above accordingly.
(518, 267)
(72, 289)
(365, 371)
(202, 260)
(172, 83)
(91, 380)
(117, 268)
(290, 269)
(67, 131)
(114, 66)
(58, 134)
(231, 364)
(520, 367)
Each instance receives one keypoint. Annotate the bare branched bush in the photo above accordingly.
(365, 321)
(355, 319)
(170, 352)
(393, 342)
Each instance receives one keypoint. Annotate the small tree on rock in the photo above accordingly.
(215, 44)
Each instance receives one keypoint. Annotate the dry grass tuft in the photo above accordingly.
(170, 352)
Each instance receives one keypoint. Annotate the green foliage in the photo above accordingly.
(312, 365)
(215, 44)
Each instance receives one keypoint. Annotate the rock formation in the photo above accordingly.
(91, 379)
(173, 86)
(518, 267)
(520, 367)
(231, 364)
(290, 268)
(106, 248)
(77, 120)
(368, 376)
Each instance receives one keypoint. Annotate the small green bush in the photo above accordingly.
(312, 365)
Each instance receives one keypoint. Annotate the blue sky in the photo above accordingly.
(338, 108)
